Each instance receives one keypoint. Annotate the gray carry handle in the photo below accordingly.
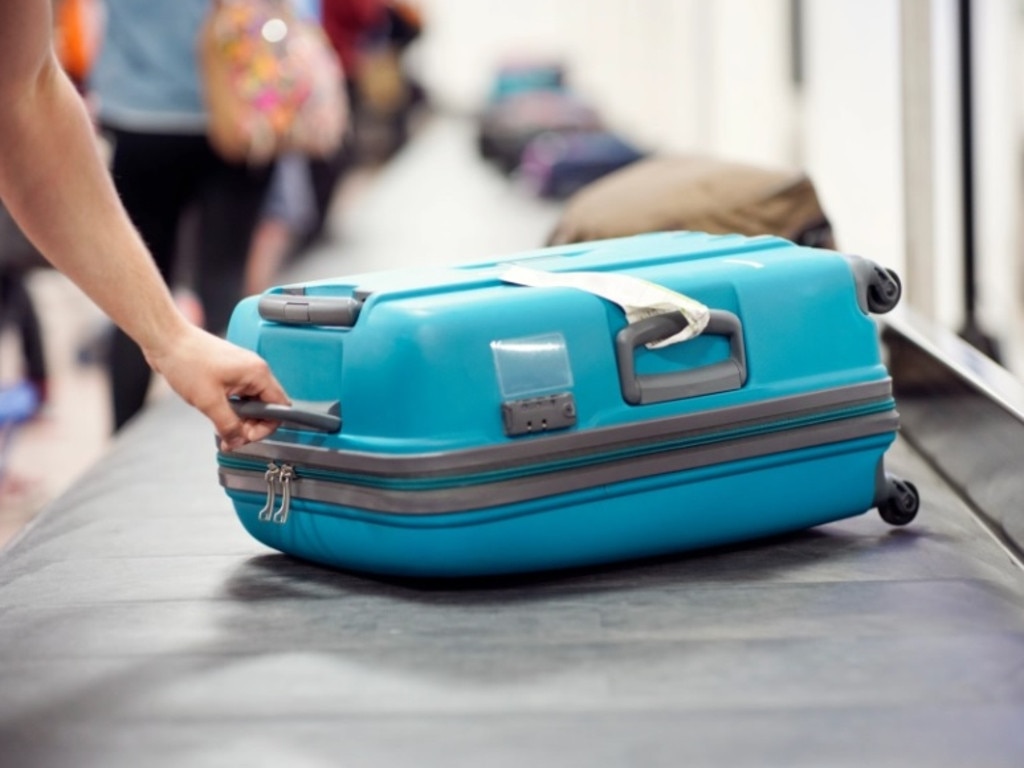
(705, 380)
(338, 311)
(318, 416)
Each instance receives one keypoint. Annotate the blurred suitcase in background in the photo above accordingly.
(507, 127)
(703, 194)
(448, 423)
(514, 78)
(557, 165)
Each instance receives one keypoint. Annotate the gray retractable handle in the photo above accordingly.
(319, 416)
(707, 379)
(336, 311)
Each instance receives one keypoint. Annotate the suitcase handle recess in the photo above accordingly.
(318, 416)
(707, 379)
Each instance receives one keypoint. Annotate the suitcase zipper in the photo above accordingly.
(286, 477)
(270, 476)
(277, 475)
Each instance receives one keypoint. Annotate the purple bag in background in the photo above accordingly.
(559, 164)
(507, 127)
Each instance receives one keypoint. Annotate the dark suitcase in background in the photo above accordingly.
(449, 423)
(508, 126)
(557, 165)
(698, 193)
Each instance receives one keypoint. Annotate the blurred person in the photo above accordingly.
(148, 94)
(54, 183)
(287, 217)
(289, 210)
(349, 25)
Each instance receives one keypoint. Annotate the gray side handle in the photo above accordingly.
(338, 311)
(718, 377)
(320, 416)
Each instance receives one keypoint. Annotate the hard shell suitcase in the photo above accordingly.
(449, 423)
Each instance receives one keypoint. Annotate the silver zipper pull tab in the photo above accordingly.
(271, 476)
(287, 474)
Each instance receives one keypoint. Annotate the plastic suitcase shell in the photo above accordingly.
(557, 165)
(459, 425)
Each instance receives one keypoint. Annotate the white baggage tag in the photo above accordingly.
(639, 299)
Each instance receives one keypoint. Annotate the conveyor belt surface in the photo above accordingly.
(140, 625)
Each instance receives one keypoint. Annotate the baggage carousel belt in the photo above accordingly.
(140, 625)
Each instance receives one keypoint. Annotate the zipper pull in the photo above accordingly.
(286, 475)
(271, 475)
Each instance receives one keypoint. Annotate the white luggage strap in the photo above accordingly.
(639, 299)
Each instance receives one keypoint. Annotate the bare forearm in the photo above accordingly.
(54, 183)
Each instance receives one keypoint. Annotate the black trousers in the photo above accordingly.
(159, 178)
(18, 309)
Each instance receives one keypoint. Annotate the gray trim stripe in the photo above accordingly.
(567, 445)
(473, 497)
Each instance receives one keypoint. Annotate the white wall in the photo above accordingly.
(999, 172)
(687, 75)
(851, 129)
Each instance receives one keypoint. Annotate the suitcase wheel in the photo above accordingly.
(884, 291)
(902, 503)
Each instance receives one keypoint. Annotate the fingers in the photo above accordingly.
(230, 427)
(234, 430)
(254, 430)
(273, 392)
(245, 431)
(262, 384)
(206, 370)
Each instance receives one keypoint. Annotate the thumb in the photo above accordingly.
(227, 423)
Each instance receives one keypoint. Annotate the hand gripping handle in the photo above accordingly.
(305, 414)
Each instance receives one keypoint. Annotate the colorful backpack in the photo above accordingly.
(271, 80)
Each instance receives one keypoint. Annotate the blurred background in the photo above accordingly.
(865, 95)
(907, 117)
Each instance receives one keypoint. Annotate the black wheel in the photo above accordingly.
(885, 291)
(902, 504)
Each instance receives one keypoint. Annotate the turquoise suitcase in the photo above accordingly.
(449, 423)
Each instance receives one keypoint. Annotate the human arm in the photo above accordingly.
(55, 185)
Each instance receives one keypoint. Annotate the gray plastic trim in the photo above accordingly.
(564, 445)
(299, 309)
(706, 380)
(301, 414)
(487, 495)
